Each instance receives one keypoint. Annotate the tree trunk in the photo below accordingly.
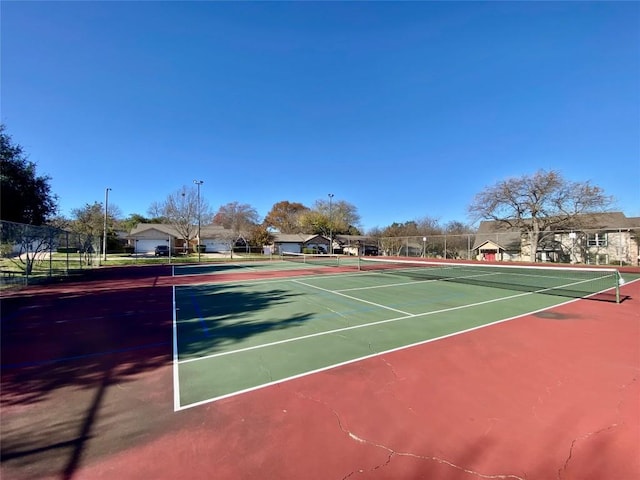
(534, 236)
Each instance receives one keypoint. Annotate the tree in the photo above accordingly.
(88, 220)
(181, 210)
(459, 239)
(88, 224)
(237, 217)
(134, 219)
(428, 226)
(27, 245)
(285, 217)
(25, 197)
(338, 218)
(535, 204)
(393, 237)
(455, 227)
(155, 211)
(259, 236)
(314, 222)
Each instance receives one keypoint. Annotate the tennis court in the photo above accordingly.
(234, 337)
(323, 368)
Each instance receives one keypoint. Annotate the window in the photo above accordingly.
(597, 239)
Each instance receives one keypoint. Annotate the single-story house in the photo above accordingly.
(299, 243)
(496, 241)
(355, 245)
(145, 237)
(596, 239)
(343, 244)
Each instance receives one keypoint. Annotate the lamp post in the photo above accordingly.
(330, 224)
(104, 236)
(198, 183)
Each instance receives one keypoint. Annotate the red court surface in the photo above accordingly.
(549, 396)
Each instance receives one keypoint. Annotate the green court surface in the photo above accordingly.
(234, 337)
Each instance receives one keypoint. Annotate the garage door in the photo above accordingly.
(148, 245)
(213, 246)
(290, 247)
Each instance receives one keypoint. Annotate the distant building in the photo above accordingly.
(595, 239)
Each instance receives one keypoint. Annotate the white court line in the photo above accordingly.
(412, 282)
(363, 325)
(176, 378)
(177, 405)
(376, 354)
(336, 292)
(352, 327)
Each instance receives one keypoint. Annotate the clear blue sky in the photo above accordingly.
(404, 109)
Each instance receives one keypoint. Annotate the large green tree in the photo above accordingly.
(335, 218)
(25, 196)
(88, 220)
(284, 216)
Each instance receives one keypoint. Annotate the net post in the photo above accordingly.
(619, 281)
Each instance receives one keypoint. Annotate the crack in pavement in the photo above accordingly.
(385, 361)
(586, 436)
(439, 460)
(392, 453)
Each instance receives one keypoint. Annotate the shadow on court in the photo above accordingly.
(219, 315)
(86, 367)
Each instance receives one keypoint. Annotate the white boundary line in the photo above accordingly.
(329, 367)
(339, 293)
(176, 370)
(404, 316)
(344, 329)
(178, 407)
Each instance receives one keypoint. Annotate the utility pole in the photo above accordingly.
(198, 183)
(330, 225)
(104, 232)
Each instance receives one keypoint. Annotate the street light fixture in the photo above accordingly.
(330, 225)
(104, 236)
(198, 183)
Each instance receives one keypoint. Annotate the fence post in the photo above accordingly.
(50, 253)
(66, 234)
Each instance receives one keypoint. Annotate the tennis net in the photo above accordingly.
(312, 258)
(572, 282)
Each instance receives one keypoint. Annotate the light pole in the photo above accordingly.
(104, 236)
(330, 225)
(198, 183)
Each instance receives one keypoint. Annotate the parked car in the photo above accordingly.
(370, 250)
(162, 251)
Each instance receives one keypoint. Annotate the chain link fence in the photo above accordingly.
(611, 246)
(428, 246)
(30, 253)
